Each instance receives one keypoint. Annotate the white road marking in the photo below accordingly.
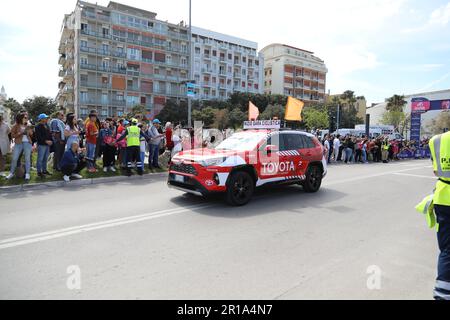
(415, 175)
(33, 238)
(371, 176)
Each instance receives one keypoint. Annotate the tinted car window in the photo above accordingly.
(292, 141)
(308, 143)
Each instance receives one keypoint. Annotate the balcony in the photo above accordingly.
(133, 73)
(68, 74)
(118, 103)
(133, 88)
(206, 70)
(88, 49)
(62, 59)
(97, 85)
(103, 68)
(61, 72)
(119, 54)
(88, 66)
(118, 70)
(90, 101)
(89, 33)
(104, 52)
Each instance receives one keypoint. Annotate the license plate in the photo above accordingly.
(179, 178)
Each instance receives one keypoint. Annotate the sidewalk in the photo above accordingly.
(77, 183)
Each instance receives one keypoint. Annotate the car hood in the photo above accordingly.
(203, 154)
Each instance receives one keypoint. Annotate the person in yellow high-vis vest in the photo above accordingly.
(133, 135)
(437, 209)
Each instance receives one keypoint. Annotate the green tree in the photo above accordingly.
(316, 118)
(396, 103)
(221, 119)
(174, 112)
(38, 105)
(395, 118)
(14, 106)
(207, 116)
(138, 112)
(273, 111)
(236, 118)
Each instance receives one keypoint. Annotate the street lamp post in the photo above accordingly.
(190, 64)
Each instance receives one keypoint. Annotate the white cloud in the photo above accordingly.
(440, 17)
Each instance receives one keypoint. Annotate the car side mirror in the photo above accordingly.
(269, 149)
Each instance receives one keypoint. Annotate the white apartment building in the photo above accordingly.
(223, 64)
(294, 72)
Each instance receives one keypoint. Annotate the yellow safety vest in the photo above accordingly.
(440, 152)
(133, 137)
(427, 208)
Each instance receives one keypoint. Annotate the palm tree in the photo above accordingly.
(395, 103)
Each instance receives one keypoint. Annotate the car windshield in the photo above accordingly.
(242, 141)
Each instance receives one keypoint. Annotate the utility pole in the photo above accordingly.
(338, 117)
(191, 70)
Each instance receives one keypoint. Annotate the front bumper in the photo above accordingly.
(189, 184)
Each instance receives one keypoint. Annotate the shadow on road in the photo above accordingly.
(266, 201)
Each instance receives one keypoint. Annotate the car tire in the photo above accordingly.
(313, 179)
(240, 188)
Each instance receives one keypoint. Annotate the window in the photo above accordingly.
(275, 141)
(197, 50)
(133, 54)
(104, 98)
(160, 57)
(84, 43)
(83, 96)
(308, 143)
(292, 141)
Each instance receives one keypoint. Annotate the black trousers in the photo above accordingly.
(442, 290)
(109, 154)
(134, 156)
(59, 148)
(75, 169)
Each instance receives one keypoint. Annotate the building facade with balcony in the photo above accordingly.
(223, 64)
(115, 57)
(294, 72)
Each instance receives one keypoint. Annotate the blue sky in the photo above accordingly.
(376, 48)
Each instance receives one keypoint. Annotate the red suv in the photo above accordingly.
(250, 159)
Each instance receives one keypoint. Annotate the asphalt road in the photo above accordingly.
(141, 240)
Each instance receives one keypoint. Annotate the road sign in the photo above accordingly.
(190, 93)
(191, 85)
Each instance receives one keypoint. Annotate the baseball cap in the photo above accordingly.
(134, 121)
(42, 116)
(156, 121)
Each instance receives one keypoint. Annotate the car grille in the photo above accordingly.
(184, 168)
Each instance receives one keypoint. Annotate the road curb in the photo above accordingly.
(76, 183)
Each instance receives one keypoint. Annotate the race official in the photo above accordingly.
(436, 207)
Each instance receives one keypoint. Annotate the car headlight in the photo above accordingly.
(212, 162)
